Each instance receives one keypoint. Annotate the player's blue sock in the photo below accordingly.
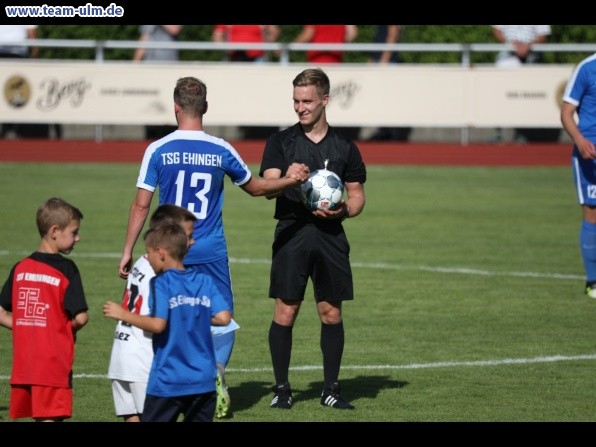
(223, 345)
(587, 238)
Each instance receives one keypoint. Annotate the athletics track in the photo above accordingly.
(440, 154)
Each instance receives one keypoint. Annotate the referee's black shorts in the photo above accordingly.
(303, 250)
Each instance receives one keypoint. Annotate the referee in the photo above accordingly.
(311, 244)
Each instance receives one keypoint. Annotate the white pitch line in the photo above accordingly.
(522, 361)
(549, 359)
(375, 265)
(467, 271)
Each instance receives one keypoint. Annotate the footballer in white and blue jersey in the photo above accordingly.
(579, 97)
(189, 167)
(581, 92)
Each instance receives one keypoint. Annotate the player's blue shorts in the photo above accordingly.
(219, 271)
(584, 177)
(319, 251)
(195, 408)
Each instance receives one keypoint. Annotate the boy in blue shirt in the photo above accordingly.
(184, 303)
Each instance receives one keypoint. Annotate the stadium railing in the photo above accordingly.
(285, 49)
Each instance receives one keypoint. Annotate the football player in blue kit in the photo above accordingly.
(579, 97)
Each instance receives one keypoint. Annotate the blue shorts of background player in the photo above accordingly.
(584, 177)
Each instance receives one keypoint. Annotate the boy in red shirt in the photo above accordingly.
(44, 304)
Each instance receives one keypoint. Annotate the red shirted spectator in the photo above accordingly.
(246, 34)
(326, 34)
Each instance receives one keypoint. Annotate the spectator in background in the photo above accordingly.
(246, 34)
(388, 34)
(326, 34)
(157, 33)
(522, 37)
(15, 33)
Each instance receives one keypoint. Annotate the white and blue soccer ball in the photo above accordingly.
(323, 190)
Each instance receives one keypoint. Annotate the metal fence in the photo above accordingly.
(285, 49)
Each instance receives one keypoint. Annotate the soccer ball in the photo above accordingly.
(323, 190)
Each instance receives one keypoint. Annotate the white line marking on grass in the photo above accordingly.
(543, 359)
(376, 265)
(466, 271)
(550, 359)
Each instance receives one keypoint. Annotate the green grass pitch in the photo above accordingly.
(469, 295)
